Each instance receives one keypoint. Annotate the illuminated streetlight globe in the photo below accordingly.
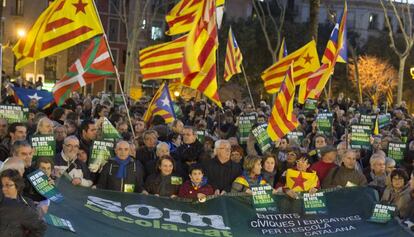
(21, 33)
(176, 93)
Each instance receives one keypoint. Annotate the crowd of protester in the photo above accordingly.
(168, 159)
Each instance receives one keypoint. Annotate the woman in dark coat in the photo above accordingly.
(164, 182)
(18, 216)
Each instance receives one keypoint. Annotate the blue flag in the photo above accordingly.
(23, 97)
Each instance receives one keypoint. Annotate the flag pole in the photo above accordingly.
(248, 87)
(118, 78)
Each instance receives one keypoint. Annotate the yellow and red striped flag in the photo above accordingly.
(282, 120)
(234, 57)
(184, 15)
(305, 62)
(335, 52)
(390, 97)
(63, 24)
(199, 61)
(163, 61)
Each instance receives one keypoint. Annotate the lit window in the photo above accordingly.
(156, 33)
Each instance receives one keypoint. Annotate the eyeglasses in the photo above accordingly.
(72, 146)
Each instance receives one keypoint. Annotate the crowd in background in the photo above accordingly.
(169, 160)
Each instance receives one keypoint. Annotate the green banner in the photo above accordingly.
(40, 182)
(384, 120)
(101, 152)
(95, 212)
(12, 113)
(310, 105)
(109, 132)
(118, 100)
(396, 151)
(44, 145)
(246, 123)
(324, 122)
(367, 120)
(262, 137)
(382, 213)
(59, 222)
(360, 136)
(314, 203)
(201, 135)
(262, 198)
(296, 137)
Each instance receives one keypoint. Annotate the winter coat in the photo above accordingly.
(134, 177)
(340, 176)
(19, 218)
(187, 190)
(163, 185)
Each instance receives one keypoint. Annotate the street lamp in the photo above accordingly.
(412, 72)
(176, 93)
(21, 33)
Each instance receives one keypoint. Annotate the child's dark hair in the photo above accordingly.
(195, 167)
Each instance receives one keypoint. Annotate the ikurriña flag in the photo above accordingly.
(63, 24)
(94, 64)
(234, 57)
(161, 104)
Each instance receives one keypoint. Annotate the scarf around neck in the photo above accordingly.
(122, 167)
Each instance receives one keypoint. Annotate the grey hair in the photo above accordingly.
(389, 161)
(375, 158)
(219, 142)
(13, 163)
(347, 151)
(71, 137)
(161, 144)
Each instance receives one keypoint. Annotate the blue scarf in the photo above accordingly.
(200, 185)
(122, 167)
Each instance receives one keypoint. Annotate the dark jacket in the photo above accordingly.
(163, 185)
(18, 218)
(108, 179)
(5, 147)
(340, 176)
(187, 153)
(148, 159)
(221, 176)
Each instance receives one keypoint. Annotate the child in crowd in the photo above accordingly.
(196, 187)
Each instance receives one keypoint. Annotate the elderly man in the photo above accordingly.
(221, 171)
(146, 155)
(346, 175)
(121, 173)
(190, 151)
(376, 174)
(16, 132)
(66, 161)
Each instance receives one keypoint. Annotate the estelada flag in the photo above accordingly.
(185, 14)
(94, 64)
(63, 24)
(301, 181)
(305, 62)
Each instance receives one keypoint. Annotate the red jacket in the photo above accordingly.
(188, 191)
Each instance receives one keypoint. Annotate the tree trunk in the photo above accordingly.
(130, 77)
(314, 18)
(401, 79)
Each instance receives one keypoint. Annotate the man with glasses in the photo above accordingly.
(66, 161)
(221, 171)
